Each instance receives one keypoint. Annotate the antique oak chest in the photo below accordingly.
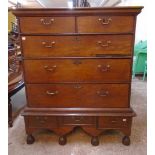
(77, 69)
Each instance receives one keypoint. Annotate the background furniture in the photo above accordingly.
(140, 56)
(77, 69)
(15, 77)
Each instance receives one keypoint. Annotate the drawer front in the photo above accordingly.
(77, 70)
(78, 95)
(47, 24)
(94, 24)
(42, 121)
(77, 120)
(48, 46)
(114, 122)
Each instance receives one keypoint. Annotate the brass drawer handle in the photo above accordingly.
(46, 21)
(104, 45)
(103, 93)
(48, 44)
(77, 86)
(77, 118)
(52, 93)
(105, 20)
(50, 69)
(41, 119)
(104, 68)
(113, 121)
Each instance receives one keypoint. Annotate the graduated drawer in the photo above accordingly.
(77, 70)
(47, 24)
(78, 95)
(114, 122)
(42, 121)
(84, 45)
(109, 24)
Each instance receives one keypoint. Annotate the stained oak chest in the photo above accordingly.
(77, 69)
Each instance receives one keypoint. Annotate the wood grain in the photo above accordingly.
(60, 24)
(76, 45)
(117, 24)
(78, 95)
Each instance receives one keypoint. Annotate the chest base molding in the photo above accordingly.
(93, 121)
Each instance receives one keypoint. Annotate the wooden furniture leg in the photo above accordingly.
(10, 121)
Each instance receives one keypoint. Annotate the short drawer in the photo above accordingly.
(109, 24)
(83, 45)
(77, 120)
(47, 24)
(77, 70)
(114, 122)
(78, 95)
(42, 121)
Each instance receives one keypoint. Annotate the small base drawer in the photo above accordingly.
(78, 120)
(114, 122)
(42, 121)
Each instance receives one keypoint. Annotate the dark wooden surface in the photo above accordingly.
(77, 68)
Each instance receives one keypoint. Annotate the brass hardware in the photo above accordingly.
(104, 68)
(41, 119)
(105, 20)
(103, 93)
(124, 119)
(46, 21)
(51, 69)
(77, 118)
(104, 45)
(52, 93)
(77, 86)
(113, 121)
(48, 44)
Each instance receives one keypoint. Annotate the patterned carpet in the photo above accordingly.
(78, 143)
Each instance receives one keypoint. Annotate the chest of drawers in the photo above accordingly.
(77, 69)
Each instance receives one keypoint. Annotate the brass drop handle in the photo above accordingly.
(77, 86)
(46, 21)
(48, 44)
(41, 119)
(113, 121)
(52, 93)
(50, 69)
(103, 93)
(104, 45)
(105, 20)
(77, 118)
(104, 68)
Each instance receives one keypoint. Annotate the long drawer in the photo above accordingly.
(55, 122)
(107, 24)
(78, 95)
(77, 70)
(47, 24)
(83, 45)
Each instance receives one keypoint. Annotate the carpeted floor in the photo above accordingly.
(78, 143)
